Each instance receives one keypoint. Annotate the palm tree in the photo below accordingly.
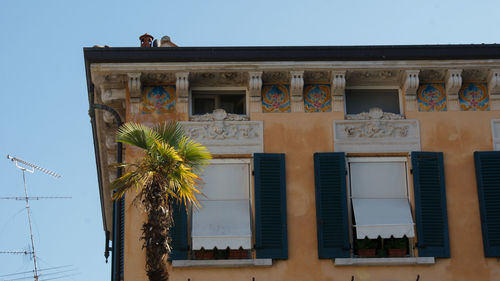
(167, 171)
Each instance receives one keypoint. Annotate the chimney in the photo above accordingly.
(165, 42)
(146, 41)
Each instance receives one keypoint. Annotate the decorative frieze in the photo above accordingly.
(473, 96)
(317, 98)
(494, 88)
(222, 136)
(338, 90)
(376, 131)
(410, 84)
(276, 98)
(255, 88)
(453, 82)
(182, 91)
(296, 90)
(159, 99)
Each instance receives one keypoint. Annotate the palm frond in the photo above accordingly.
(195, 155)
(170, 132)
(137, 135)
(123, 183)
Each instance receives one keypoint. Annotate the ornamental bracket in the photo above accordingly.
(453, 82)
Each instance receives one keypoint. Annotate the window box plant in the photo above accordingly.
(396, 247)
(367, 248)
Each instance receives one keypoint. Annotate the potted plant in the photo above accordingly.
(203, 254)
(396, 247)
(366, 247)
(238, 254)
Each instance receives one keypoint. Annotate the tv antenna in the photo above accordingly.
(25, 166)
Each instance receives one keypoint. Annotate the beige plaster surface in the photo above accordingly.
(299, 136)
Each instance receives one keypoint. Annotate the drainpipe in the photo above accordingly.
(117, 246)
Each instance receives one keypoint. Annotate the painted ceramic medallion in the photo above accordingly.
(474, 97)
(317, 98)
(431, 97)
(158, 99)
(275, 98)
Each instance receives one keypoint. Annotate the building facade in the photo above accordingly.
(326, 159)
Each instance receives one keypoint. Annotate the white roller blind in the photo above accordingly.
(383, 217)
(224, 219)
(378, 180)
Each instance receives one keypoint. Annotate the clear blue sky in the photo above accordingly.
(44, 100)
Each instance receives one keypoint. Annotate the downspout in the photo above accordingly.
(117, 246)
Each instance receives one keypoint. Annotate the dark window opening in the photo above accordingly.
(358, 101)
(207, 101)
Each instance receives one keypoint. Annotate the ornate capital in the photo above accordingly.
(134, 87)
(494, 88)
(453, 82)
(410, 83)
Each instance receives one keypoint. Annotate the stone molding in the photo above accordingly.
(338, 90)
(296, 90)
(222, 136)
(376, 131)
(453, 83)
(494, 88)
(410, 83)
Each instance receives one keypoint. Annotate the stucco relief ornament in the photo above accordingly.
(219, 129)
(377, 125)
(374, 113)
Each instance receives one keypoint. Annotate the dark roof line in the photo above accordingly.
(293, 53)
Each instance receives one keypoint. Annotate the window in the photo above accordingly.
(204, 101)
(361, 100)
(224, 218)
(380, 202)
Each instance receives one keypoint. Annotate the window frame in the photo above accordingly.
(400, 95)
(409, 193)
(216, 91)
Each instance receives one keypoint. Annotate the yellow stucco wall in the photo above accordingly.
(299, 135)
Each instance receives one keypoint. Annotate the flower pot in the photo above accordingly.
(204, 255)
(397, 252)
(367, 253)
(238, 254)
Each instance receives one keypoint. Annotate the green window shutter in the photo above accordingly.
(270, 206)
(331, 205)
(179, 233)
(488, 189)
(430, 204)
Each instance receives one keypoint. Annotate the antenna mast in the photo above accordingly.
(29, 167)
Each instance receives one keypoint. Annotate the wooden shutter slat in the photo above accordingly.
(488, 187)
(270, 206)
(179, 233)
(331, 205)
(430, 204)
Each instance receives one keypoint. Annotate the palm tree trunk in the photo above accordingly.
(155, 232)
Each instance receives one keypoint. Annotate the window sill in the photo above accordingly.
(222, 263)
(384, 261)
